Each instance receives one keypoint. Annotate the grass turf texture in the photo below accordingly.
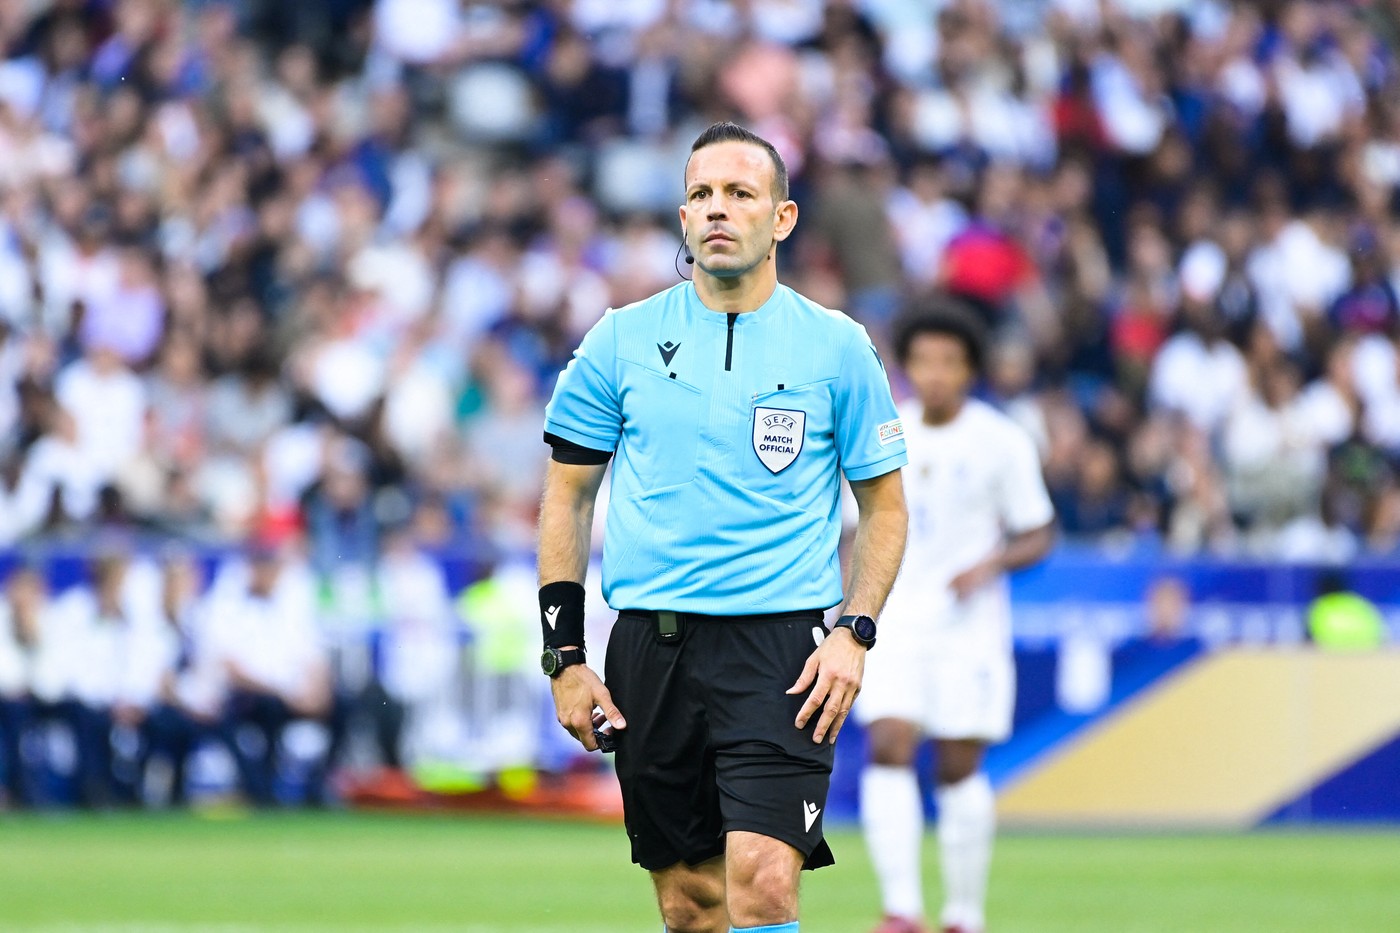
(429, 873)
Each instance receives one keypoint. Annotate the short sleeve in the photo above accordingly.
(1025, 503)
(869, 433)
(584, 408)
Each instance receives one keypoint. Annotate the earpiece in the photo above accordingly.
(685, 247)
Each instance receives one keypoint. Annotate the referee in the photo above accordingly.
(732, 406)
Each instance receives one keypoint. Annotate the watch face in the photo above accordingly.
(549, 661)
(864, 627)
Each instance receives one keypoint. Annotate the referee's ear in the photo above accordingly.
(784, 220)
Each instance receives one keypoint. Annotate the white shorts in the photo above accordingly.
(952, 687)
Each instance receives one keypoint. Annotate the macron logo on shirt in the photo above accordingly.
(551, 615)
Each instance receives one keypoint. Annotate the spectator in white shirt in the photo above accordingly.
(108, 402)
(57, 484)
(62, 661)
(174, 693)
(925, 220)
(1274, 454)
(418, 640)
(27, 670)
(262, 637)
(1197, 372)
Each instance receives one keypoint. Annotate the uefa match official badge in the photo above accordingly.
(778, 434)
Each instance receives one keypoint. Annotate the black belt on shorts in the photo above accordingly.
(671, 625)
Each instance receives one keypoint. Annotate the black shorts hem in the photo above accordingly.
(814, 856)
(691, 861)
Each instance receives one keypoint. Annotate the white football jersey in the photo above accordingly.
(968, 484)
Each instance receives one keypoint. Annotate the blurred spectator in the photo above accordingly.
(246, 407)
(57, 485)
(342, 531)
(263, 642)
(850, 219)
(67, 661)
(1340, 619)
(128, 319)
(1370, 305)
(31, 659)
(1198, 373)
(506, 461)
(416, 657)
(1097, 503)
(1274, 456)
(924, 220)
(174, 696)
(108, 404)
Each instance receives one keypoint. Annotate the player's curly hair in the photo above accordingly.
(728, 132)
(941, 314)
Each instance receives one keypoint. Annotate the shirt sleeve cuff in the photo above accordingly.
(878, 468)
(568, 452)
(578, 437)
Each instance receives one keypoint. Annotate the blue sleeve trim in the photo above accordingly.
(879, 468)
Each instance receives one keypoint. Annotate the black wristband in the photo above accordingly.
(561, 614)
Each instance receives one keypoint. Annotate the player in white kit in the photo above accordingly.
(977, 509)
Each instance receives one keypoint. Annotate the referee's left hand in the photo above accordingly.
(836, 667)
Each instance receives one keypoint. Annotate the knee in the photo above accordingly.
(761, 892)
(893, 743)
(693, 909)
(958, 761)
(954, 773)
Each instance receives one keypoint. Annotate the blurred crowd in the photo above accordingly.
(316, 264)
(164, 679)
(306, 271)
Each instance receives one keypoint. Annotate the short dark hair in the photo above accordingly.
(728, 132)
(943, 315)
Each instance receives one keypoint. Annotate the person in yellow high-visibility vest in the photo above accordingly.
(1340, 619)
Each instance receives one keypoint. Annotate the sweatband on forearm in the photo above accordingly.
(561, 614)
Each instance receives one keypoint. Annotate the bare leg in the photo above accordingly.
(691, 899)
(761, 880)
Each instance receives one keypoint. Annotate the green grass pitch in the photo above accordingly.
(430, 873)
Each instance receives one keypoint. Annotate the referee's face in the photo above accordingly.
(730, 217)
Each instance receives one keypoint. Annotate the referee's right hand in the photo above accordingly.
(577, 691)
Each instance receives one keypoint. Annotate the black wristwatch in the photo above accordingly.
(862, 627)
(554, 660)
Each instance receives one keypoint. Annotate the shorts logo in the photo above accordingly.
(890, 432)
(810, 812)
(778, 434)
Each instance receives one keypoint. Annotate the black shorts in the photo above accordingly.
(710, 745)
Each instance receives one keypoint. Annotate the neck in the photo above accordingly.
(939, 416)
(739, 294)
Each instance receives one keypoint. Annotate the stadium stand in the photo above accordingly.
(304, 272)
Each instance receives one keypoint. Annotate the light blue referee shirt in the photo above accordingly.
(729, 433)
